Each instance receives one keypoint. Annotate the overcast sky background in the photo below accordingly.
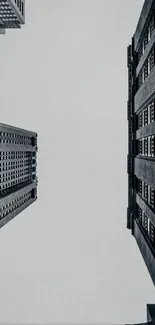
(69, 258)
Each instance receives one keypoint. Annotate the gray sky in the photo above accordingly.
(69, 257)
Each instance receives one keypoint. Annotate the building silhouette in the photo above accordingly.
(12, 14)
(18, 180)
(141, 135)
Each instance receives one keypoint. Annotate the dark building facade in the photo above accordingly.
(12, 14)
(18, 180)
(141, 135)
(150, 311)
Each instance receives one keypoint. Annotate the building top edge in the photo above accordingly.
(7, 126)
(147, 6)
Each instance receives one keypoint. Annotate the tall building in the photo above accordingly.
(141, 135)
(12, 14)
(18, 180)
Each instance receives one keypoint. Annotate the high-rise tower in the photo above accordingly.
(141, 135)
(18, 180)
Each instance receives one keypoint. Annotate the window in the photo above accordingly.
(140, 214)
(149, 120)
(22, 8)
(152, 59)
(149, 33)
(146, 191)
(149, 146)
(146, 116)
(146, 146)
(140, 52)
(152, 146)
(145, 41)
(149, 64)
(152, 25)
(149, 189)
(152, 198)
(152, 232)
(142, 140)
(143, 215)
(152, 112)
(143, 119)
(140, 120)
(142, 189)
(143, 75)
(140, 79)
(145, 70)
(145, 224)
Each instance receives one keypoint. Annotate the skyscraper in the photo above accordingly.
(18, 180)
(12, 14)
(141, 135)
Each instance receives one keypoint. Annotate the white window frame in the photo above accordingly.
(142, 140)
(148, 224)
(142, 119)
(152, 138)
(149, 194)
(140, 145)
(142, 189)
(143, 79)
(149, 112)
(149, 33)
(149, 146)
(143, 50)
(149, 66)
(143, 215)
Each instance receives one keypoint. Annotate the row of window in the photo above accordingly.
(17, 162)
(16, 172)
(147, 67)
(11, 166)
(4, 155)
(18, 199)
(147, 37)
(20, 5)
(147, 116)
(130, 81)
(146, 224)
(14, 138)
(18, 175)
(146, 146)
(14, 187)
(6, 13)
(11, 138)
(18, 180)
(22, 180)
(13, 205)
(146, 192)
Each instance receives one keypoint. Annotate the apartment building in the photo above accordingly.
(12, 14)
(18, 180)
(141, 135)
